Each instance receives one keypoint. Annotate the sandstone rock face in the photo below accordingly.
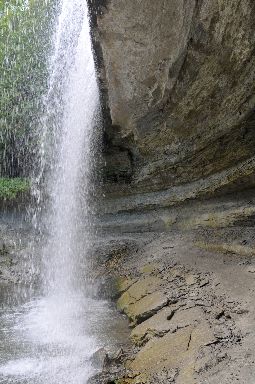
(178, 79)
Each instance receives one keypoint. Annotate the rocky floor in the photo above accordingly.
(188, 295)
(191, 309)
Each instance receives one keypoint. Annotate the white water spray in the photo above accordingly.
(76, 100)
(55, 328)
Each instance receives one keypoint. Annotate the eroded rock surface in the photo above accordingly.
(178, 80)
(199, 328)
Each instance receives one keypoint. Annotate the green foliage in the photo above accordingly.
(11, 188)
(25, 28)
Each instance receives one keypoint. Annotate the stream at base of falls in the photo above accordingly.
(50, 339)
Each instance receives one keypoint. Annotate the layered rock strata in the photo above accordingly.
(177, 90)
(191, 320)
(177, 83)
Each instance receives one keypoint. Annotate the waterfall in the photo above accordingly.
(70, 105)
(54, 330)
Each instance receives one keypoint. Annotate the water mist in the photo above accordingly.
(53, 331)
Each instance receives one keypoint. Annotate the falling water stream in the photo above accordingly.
(49, 335)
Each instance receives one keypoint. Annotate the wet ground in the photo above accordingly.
(191, 309)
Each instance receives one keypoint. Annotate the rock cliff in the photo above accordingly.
(178, 96)
(177, 84)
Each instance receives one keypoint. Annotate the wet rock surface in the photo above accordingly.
(190, 312)
(17, 244)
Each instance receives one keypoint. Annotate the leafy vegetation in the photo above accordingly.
(25, 28)
(12, 188)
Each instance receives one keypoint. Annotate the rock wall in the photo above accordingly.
(178, 93)
(177, 88)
